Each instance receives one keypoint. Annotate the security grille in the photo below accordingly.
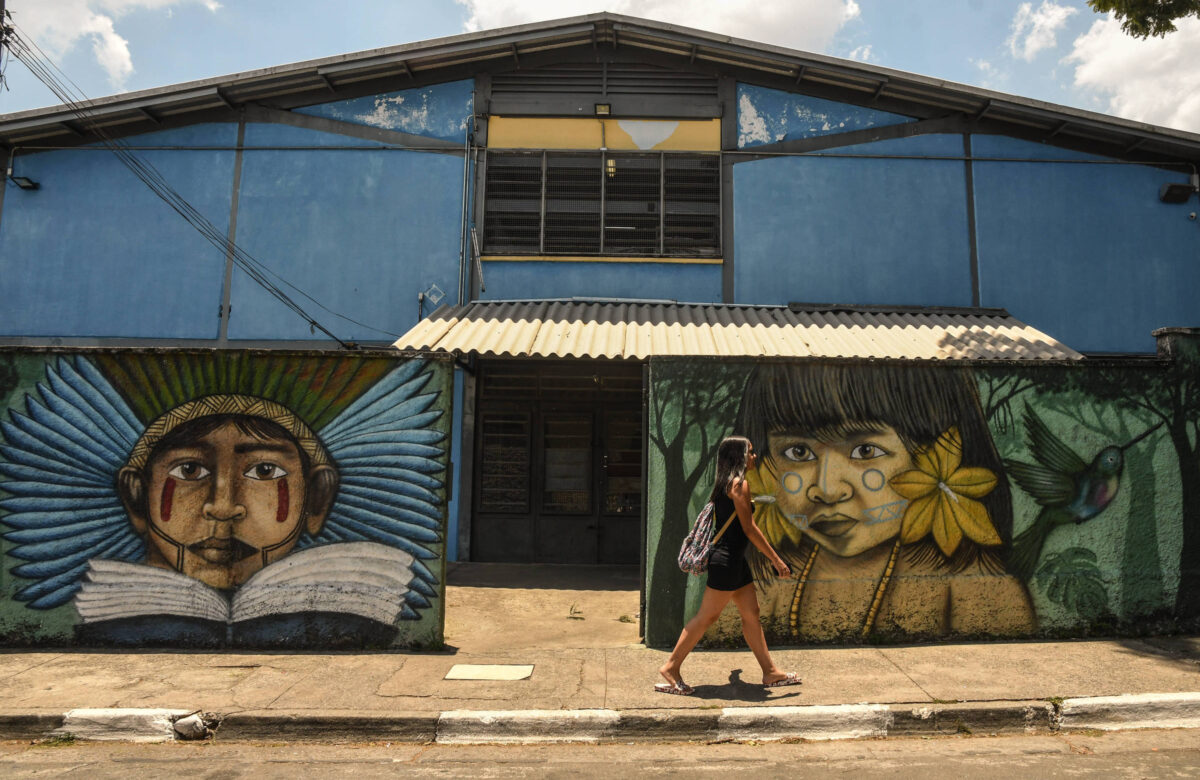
(631, 89)
(603, 203)
(603, 80)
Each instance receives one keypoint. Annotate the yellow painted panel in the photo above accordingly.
(646, 134)
(509, 133)
(598, 259)
(594, 133)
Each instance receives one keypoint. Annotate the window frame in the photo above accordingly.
(603, 249)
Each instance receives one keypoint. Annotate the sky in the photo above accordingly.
(1059, 51)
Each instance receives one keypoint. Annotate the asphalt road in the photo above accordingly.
(1140, 754)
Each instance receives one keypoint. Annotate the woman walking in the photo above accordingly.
(729, 575)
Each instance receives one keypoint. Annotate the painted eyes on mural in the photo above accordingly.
(265, 471)
(868, 452)
(799, 453)
(189, 470)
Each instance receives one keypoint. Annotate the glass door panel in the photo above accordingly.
(567, 483)
(622, 464)
(504, 463)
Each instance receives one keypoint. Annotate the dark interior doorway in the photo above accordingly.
(558, 454)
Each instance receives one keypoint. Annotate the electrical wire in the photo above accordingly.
(43, 68)
(5, 56)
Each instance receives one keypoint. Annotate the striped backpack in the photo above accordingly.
(697, 546)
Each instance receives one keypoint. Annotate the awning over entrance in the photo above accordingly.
(591, 329)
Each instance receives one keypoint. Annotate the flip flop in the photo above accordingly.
(789, 679)
(678, 688)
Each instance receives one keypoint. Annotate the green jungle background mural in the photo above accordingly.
(919, 500)
(223, 498)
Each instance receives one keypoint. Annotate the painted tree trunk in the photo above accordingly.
(1141, 568)
(1187, 601)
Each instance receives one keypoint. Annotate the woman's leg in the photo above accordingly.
(710, 609)
(747, 604)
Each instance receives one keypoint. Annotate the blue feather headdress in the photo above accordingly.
(376, 419)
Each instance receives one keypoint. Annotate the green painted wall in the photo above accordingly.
(927, 500)
(232, 498)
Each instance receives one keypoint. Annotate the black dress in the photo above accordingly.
(728, 568)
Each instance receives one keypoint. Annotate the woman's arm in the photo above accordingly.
(740, 493)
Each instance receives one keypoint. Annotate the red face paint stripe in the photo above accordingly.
(281, 510)
(164, 508)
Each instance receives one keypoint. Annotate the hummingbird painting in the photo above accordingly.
(1069, 489)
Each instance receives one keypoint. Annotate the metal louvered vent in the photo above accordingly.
(599, 80)
(597, 203)
(691, 203)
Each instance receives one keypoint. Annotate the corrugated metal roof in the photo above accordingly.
(460, 56)
(636, 330)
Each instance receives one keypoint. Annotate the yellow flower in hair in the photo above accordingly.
(764, 486)
(942, 497)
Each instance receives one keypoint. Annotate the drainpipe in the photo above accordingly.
(462, 231)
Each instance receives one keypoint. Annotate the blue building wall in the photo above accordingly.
(1080, 249)
(95, 253)
(658, 281)
(361, 231)
(439, 111)
(767, 116)
(456, 472)
(1084, 252)
(838, 229)
(1075, 245)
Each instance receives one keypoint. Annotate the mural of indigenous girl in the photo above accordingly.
(881, 487)
(226, 498)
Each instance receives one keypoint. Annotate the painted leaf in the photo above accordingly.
(946, 531)
(918, 519)
(914, 484)
(972, 482)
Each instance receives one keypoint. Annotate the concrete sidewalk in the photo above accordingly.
(590, 680)
(607, 693)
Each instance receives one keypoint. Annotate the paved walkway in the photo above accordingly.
(589, 667)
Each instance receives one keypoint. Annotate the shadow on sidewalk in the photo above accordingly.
(1180, 651)
(744, 691)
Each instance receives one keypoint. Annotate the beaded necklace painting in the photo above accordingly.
(876, 601)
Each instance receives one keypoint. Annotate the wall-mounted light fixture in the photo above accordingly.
(24, 182)
(603, 109)
(1179, 193)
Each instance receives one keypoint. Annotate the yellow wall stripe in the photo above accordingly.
(585, 259)
(595, 133)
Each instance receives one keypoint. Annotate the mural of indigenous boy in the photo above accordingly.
(223, 486)
(190, 499)
(881, 487)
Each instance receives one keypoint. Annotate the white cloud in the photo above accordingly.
(1036, 30)
(990, 76)
(1151, 80)
(862, 53)
(58, 26)
(802, 24)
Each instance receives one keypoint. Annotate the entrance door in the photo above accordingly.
(559, 462)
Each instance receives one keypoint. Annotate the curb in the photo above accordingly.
(33, 724)
(735, 724)
(1133, 711)
(1006, 717)
(328, 727)
(124, 724)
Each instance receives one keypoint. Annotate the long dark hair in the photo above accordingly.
(919, 401)
(731, 465)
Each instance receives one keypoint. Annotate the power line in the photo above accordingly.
(43, 68)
